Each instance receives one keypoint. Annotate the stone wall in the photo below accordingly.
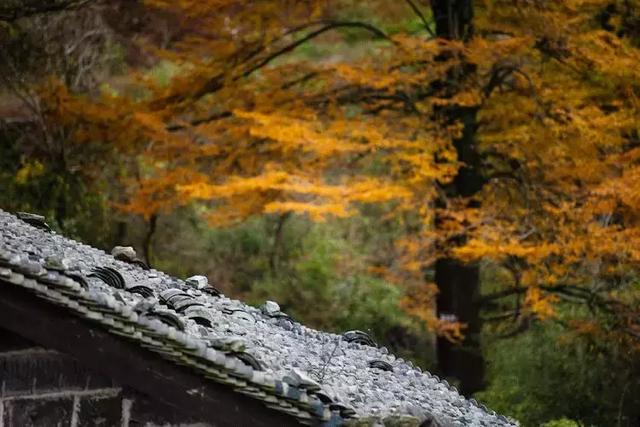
(44, 388)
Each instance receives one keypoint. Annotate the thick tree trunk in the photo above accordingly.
(454, 18)
(458, 286)
(458, 283)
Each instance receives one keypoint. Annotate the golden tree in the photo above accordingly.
(503, 131)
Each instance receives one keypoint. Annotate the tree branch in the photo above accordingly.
(13, 10)
(330, 25)
(216, 83)
(417, 11)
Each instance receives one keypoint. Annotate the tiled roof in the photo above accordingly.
(316, 377)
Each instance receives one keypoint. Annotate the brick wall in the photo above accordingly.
(45, 388)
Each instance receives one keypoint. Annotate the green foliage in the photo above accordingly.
(163, 72)
(548, 376)
(68, 201)
(232, 258)
(394, 18)
(563, 422)
(316, 272)
(319, 276)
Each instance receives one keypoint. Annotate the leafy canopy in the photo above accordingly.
(251, 123)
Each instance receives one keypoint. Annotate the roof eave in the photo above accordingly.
(131, 365)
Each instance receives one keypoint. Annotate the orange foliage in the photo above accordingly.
(245, 128)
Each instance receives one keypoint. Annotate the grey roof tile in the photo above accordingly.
(312, 375)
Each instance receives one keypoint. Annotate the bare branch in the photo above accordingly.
(217, 82)
(417, 11)
(13, 10)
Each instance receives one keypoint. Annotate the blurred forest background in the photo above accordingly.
(459, 178)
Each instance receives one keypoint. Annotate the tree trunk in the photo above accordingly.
(146, 244)
(277, 241)
(458, 283)
(454, 18)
